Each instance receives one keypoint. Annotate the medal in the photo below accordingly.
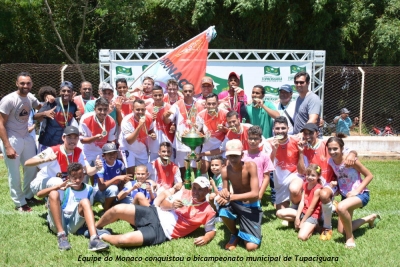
(104, 133)
(102, 126)
(156, 109)
(65, 114)
(143, 186)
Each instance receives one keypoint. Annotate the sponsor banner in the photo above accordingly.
(271, 75)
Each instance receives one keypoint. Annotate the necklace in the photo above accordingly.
(65, 114)
(64, 151)
(102, 126)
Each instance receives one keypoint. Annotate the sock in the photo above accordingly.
(61, 233)
(93, 237)
(327, 212)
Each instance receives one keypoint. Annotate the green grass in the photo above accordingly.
(25, 240)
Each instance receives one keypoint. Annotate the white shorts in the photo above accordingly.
(71, 222)
(130, 159)
(39, 184)
(282, 190)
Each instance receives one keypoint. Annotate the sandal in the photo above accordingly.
(350, 245)
(377, 219)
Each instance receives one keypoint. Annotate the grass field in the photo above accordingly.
(26, 241)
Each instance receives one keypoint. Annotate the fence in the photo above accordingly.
(342, 88)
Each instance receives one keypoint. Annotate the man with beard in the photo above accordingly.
(176, 217)
(81, 100)
(285, 156)
(64, 115)
(211, 121)
(17, 145)
(54, 161)
(136, 129)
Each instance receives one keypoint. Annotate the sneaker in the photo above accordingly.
(233, 241)
(100, 232)
(63, 243)
(326, 234)
(34, 201)
(24, 208)
(97, 245)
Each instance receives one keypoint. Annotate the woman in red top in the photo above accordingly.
(309, 210)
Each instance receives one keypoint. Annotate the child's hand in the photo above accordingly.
(148, 187)
(212, 182)
(137, 185)
(64, 185)
(127, 177)
(297, 223)
(199, 241)
(333, 184)
(177, 204)
(351, 194)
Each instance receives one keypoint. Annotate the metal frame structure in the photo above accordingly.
(316, 57)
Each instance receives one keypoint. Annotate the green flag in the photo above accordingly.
(272, 70)
(123, 71)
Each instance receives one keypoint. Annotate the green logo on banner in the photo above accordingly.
(271, 90)
(123, 71)
(272, 70)
(221, 84)
(296, 69)
(144, 67)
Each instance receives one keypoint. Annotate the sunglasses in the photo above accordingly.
(299, 82)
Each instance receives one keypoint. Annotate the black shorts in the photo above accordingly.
(249, 217)
(148, 223)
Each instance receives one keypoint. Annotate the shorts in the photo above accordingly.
(131, 159)
(310, 219)
(39, 184)
(148, 223)
(71, 222)
(111, 191)
(364, 196)
(282, 187)
(249, 216)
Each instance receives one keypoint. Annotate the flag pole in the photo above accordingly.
(211, 27)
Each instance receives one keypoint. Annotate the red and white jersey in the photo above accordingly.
(182, 221)
(164, 175)
(80, 103)
(60, 165)
(320, 156)
(128, 126)
(126, 108)
(286, 159)
(88, 127)
(166, 99)
(209, 124)
(243, 136)
(160, 128)
(180, 117)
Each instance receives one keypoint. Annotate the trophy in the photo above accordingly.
(192, 139)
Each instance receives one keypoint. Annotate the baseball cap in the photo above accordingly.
(109, 147)
(207, 80)
(311, 127)
(234, 74)
(105, 86)
(344, 110)
(71, 130)
(67, 84)
(287, 88)
(234, 147)
(202, 181)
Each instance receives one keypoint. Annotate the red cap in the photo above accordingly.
(234, 74)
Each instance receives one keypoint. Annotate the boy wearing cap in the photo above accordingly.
(234, 99)
(70, 208)
(242, 205)
(285, 105)
(53, 161)
(207, 87)
(63, 111)
(344, 123)
(111, 178)
(176, 217)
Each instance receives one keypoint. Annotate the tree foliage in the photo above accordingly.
(352, 32)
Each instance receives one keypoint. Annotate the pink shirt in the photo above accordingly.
(263, 162)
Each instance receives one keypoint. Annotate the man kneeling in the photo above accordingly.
(70, 207)
(177, 216)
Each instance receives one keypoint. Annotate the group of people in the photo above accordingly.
(125, 152)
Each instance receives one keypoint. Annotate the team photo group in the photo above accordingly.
(125, 154)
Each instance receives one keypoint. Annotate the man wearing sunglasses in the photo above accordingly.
(308, 104)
